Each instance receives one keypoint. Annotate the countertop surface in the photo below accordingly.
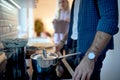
(41, 42)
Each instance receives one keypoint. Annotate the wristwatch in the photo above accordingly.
(91, 55)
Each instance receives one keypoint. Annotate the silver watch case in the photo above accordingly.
(91, 55)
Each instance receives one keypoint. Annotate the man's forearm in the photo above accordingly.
(100, 41)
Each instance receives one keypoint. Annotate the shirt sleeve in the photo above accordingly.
(108, 11)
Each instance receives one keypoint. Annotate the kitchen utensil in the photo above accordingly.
(40, 63)
(68, 67)
(3, 50)
(16, 66)
(55, 56)
(44, 53)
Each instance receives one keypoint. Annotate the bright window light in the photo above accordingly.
(5, 6)
(15, 4)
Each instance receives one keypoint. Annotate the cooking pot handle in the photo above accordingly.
(8, 52)
(3, 50)
(68, 55)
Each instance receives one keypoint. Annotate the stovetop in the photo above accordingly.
(30, 74)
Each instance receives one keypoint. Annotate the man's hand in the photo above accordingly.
(84, 69)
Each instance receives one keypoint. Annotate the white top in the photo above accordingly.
(63, 15)
(74, 35)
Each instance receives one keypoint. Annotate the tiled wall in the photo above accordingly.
(8, 22)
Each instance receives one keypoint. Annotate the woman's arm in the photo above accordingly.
(62, 42)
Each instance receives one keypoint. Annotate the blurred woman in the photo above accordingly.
(61, 22)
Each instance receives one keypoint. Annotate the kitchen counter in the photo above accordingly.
(40, 42)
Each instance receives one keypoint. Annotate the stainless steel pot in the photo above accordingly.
(41, 64)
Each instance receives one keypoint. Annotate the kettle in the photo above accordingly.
(16, 66)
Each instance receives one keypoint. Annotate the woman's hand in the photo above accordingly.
(54, 21)
(67, 20)
(84, 70)
(59, 46)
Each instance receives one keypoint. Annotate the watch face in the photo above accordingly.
(91, 55)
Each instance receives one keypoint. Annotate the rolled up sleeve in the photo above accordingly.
(108, 11)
